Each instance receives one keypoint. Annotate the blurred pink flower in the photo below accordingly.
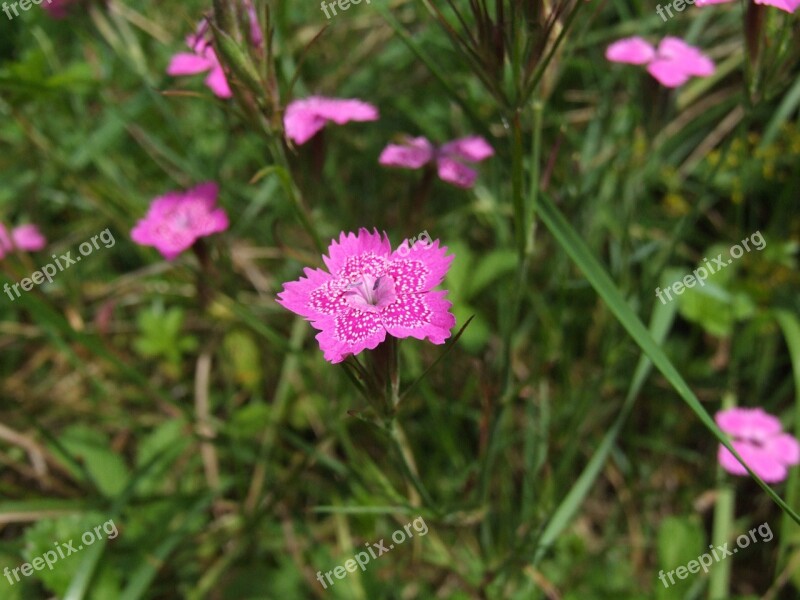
(304, 118)
(255, 29)
(204, 59)
(672, 64)
(787, 5)
(370, 291)
(200, 60)
(25, 237)
(57, 9)
(450, 158)
(759, 439)
(176, 220)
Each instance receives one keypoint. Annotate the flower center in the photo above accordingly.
(369, 293)
(182, 218)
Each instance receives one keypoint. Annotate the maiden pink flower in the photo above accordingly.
(787, 5)
(202, 59)
(305, 118)
(759, 439)
(25, 237)
(176, 220)
(672, 64)
(449, 158)
(369, 292)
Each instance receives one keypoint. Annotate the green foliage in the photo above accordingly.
(160, 336)
(545, 447)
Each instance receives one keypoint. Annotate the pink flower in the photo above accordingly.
(450, 158)
(25, 237)
(255, 29)
(788, 5)
(304, 118)
(202, 59)
(370, 291)
(672, 64)
(759, 439)
(176, 220)
(57, 9)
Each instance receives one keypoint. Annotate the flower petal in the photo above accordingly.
(752, 423)
(301, 124)
(688, 58)
(218, 83)
(758, 459)
(472, 149)
(304, 118)
(341, 111)
(188, 64)
(413, 154)
(456, 173)
(420, 268)
(315, 296)
(784, 448)
(349, 332)
(356, 253)
(789, 6)
(633, 50)
(421, 316)
(28, 237)
(668, 73)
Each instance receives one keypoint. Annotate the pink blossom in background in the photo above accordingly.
(255, 29)
(416, 152)
(202, 59)
(369, 292)
(305, 118)
(786, 5)
(759, 439)
(672, 63)
(57, 9)
(176, 220)
(25, 237)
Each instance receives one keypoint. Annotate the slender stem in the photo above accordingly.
(279, 155)
(394, 372)
(536, 159)
(720, 575)
(517, 184)
(417, 489)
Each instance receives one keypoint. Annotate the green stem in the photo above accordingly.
(279, 156)
(536, 160)
(408, 464)
(720, 574)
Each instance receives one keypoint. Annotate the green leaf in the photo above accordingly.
(41, 537)
(243, 358)
(680, 540)
(577, 249)
(91, 447)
